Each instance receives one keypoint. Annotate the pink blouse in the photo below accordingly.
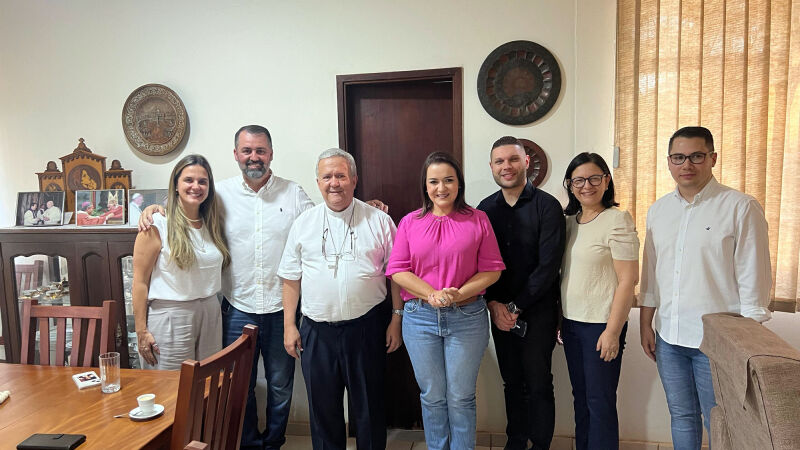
(444, 251)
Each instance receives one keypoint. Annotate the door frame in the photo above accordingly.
(451, 74)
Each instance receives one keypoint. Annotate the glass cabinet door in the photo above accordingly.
(127, 289)
(44, 279)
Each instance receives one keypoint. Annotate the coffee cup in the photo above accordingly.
(147, 403)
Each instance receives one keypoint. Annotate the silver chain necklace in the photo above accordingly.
(337, 253)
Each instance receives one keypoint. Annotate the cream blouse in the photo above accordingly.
(588, 278)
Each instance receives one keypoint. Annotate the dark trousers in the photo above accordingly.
(525, 365)
(594, 385)
(345, 355)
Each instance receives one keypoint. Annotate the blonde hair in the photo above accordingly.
(180, 243)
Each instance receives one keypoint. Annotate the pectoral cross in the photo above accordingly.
(335, 266)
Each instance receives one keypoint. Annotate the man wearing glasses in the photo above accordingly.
(706, 251)
(336, 255)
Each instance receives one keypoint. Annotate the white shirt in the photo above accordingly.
(201, 280)
(256, 227)
(332, 292)
(52, 215)
(707, 256)
(134, 211)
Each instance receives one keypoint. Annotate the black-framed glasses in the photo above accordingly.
(593, 180)
(695, 158)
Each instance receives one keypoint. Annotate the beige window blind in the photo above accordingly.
(732, 66)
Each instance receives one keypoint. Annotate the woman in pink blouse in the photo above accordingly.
(444, 256)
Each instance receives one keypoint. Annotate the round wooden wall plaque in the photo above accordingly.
(154, 119)
(537, 168)
(519, 82)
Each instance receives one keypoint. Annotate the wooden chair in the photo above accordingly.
(28, 275)
(212, 394)
(83, 318)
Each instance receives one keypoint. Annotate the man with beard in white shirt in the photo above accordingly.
(260, 208)
(336, 255)
(706, 251)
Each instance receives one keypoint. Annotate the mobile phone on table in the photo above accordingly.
(52, 441)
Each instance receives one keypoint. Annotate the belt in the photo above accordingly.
(461, 303)
(375, 310)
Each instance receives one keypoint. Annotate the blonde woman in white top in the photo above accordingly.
(599, 272)
(177, 272)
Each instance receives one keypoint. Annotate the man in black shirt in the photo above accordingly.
(530, 229)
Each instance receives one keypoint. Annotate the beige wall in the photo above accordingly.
(66, 69)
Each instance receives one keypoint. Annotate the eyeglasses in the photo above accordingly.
(695, 158)
(593, 180)
(344, 253)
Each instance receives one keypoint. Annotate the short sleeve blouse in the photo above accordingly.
(588, 277)
(445, 251)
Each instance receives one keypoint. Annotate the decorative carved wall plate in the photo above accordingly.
(154, 119)
(537, 168)
(519, 82)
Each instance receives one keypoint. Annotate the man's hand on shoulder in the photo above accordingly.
(146, 219)
(501, 318)
(379, 205)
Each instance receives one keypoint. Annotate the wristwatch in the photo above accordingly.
(399, 312)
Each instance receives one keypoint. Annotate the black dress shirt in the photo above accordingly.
(531, 237)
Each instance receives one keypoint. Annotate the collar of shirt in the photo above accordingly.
(266, 187)
(708, 190)
(525, 195)
(343, 214)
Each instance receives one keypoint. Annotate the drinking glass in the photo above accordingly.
(109, 372)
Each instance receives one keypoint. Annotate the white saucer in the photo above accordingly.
(137, 415)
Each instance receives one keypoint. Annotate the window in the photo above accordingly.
(732, 66)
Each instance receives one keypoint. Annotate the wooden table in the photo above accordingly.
(46, 400)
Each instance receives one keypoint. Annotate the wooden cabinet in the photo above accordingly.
(94, 259)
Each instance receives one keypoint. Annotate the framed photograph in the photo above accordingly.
(100, 207)
(139, 199)
(40, 209)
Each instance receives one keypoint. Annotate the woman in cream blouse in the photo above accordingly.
(599, 272)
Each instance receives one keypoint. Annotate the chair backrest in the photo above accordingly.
(212, 394)
(756, 377)
(28, 275)
(85, 321)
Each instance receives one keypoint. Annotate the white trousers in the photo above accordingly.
(184, 330)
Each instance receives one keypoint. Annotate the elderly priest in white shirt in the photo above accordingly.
(706, 251)
(336, 256)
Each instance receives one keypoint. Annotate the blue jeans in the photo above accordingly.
(278, 369)
(594, 384)
(446, 346)
(686, 376)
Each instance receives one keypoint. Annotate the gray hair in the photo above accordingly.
(334, 153)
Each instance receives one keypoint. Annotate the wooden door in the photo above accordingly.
(390, 122)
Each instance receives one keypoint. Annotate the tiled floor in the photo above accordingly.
(304, 443)
(405, 440)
